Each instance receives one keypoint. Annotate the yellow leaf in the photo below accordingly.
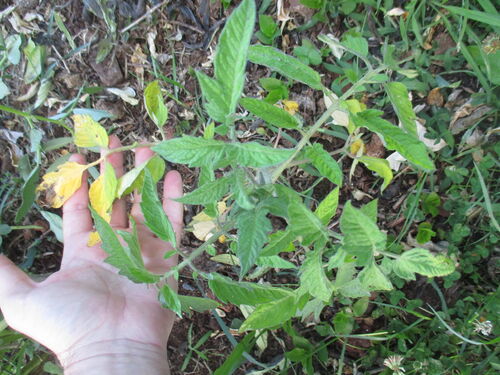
(357, 147)
(203, 224)
(290, 106)
(102, 192)
(94, 239)
(89, 133)
(60, 185)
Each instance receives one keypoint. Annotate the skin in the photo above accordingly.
(93, 319)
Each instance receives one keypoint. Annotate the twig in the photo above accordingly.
(141, 18)
(194, 28)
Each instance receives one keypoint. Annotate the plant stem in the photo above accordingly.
(119, 149)
(324, 117)
(20, 227)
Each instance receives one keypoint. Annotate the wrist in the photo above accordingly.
(122, 357)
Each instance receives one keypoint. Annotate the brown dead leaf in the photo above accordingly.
(435, 97)
(375, 147)
(139, 60)
(443, 43)
(466, 116)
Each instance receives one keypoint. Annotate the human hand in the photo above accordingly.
(92, 318)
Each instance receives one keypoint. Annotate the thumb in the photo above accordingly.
(12, 280)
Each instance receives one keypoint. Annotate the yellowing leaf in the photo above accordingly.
(102, 192)
(89, 133)
(203, 224)
(357, 147)
(60, 185)
(94, 239)
(290, 106)
(379, 166)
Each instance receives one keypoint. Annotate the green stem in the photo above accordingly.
(31, 116)
(324, 117)
(20, 227)
(389, 255)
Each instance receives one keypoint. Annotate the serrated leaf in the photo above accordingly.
(370, 209)
(407, 145)
(170, 299)
(361, 235)
(379, 166)
(270, 113)
(270, 314)
(243, 293)
(231, 55)
(154, 215)
(423, 262)
(209, 192)
(60, 185)
(328, 206)
(28, 194)
(280, 241)
(398, 95)
(253, 154)
(197, 304)
(128, 265)
(372, 278)
(156, 108)
(253, 227)
(192, 151)
(305, 224)
(313, 278)
(324, 163)
(274, 261)
(89, 133)
(215, 101)
(102, 192)
(353, 289)
(134, 179)
(285, 65)
(240, 190)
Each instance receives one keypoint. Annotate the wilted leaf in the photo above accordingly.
(60, 185)
(89, 133)
(435, 97)
(379, 166)
(153, 100)
(102, 192)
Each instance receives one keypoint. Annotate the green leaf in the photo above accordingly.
(328, 206)
(285, 65)
(235, 359)
(215, 101)
(55, 223)
(267, 25)
(156, 108)
(372, 278)
(197, 304)
(253, 227)
(35, 56)
(231, 56)
(356, 43)
(240, 190)
(343, 323)
(305, 224)
(425, 232)
(270, 314)
(126, 261)
(370, 209)
(270, 113)
(253, 154)
(134, 179)
(4, 90)
(354, 289)
(423, 262)
(189, 150)
(28, 194)
(398, 95)
(431, 203)
(5, 229)
(313, 278)
(324, 163)
(274, 261)
(407, 145)
(170, 299)
(379, 166)
(243, 293)
(492, 19)
(209, 192)
(361, 235)
(154, 215)
(280, 241)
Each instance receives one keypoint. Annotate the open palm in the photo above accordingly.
(87, 304)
